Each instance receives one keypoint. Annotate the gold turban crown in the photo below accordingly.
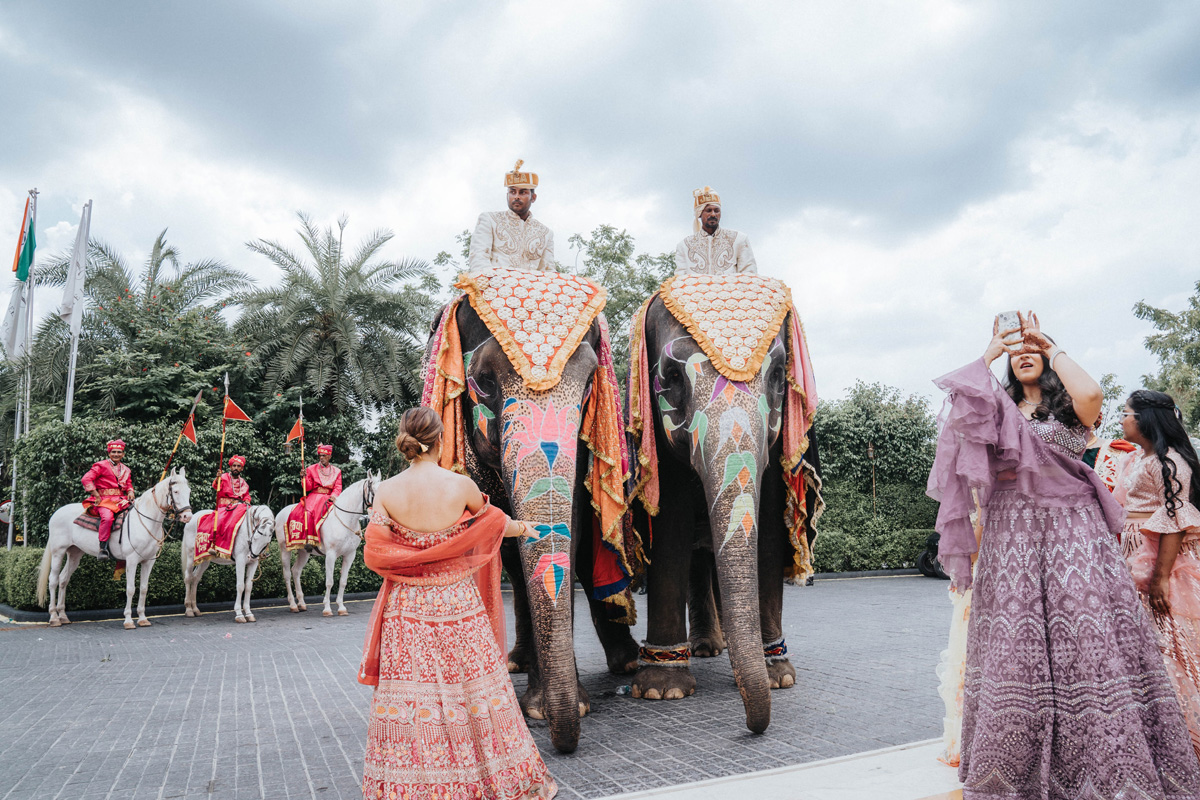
(705, 196)
(521, 180)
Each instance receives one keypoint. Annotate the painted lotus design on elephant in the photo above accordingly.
(520, 371)
(721, 400)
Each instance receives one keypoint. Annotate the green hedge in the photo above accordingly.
(873, 546)
(92, 586)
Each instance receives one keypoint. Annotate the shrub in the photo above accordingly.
(874, 546)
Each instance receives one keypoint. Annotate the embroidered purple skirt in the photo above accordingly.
(1065, 694)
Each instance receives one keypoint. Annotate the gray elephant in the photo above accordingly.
(721, 400)
(522, 379)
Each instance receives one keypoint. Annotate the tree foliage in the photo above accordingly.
(902, 433)
(347, 327)
(609, 260)
(1176, 344)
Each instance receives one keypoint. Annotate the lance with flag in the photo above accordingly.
(231, 412)
(189, 431)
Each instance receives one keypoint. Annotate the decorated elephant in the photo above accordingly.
(721, 400)
(521, 373)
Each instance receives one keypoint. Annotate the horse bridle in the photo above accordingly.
(368, 499)
(173, 508)
(250, 546)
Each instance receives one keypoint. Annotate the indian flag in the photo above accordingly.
(26, 242)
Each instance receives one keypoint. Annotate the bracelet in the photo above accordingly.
(1058, 352)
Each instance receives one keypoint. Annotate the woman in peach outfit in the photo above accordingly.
(1160, 488)
(444, 720)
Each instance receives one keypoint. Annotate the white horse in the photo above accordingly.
(138, 542)
(251, 543)
(340, 535)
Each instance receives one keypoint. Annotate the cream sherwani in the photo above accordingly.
(724, 252)
(503, 239)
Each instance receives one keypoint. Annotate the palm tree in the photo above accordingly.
(350, 330)
(132, 323)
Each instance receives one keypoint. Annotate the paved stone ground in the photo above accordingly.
(209, 709)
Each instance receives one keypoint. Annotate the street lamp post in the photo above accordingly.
(874, 502)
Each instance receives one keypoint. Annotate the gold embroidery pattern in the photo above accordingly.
(523, 241)
(712, 254)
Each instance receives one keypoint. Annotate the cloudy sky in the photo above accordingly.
(910, 169)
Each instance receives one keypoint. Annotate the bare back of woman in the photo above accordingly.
(427, 498)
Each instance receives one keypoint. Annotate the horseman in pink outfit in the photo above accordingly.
(322, 485)
(109, 484)
(233, 500)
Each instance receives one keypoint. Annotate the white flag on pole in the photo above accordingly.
(71, 309)
(13, 333)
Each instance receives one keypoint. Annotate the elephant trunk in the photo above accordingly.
(554, 643)
(737, 574)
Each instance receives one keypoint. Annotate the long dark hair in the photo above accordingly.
(1159, 421)
(1056, 400)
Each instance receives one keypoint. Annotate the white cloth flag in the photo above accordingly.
(13, 333)
(71, 309)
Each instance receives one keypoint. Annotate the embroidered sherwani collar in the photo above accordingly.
(515, 217)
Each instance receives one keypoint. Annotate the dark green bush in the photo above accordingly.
(874, 546)
(92, 586)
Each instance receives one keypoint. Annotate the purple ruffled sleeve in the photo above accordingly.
(982, 433)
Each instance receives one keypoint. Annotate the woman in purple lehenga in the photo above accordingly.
(1065, 694)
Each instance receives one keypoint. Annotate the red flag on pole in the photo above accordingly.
(233, 412)
(297, 431)
(189, 431)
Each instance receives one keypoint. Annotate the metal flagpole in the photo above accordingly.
(77, 312)
(12, 507)
(33, 193)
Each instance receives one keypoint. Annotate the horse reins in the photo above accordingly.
(367, 501)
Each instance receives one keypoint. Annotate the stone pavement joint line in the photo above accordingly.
(273, 711)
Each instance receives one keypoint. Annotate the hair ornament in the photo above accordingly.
(424, 447)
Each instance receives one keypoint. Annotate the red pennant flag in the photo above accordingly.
(296, 432)
(233, 412)
(189, 431)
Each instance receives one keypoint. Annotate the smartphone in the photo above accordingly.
(1010, 320)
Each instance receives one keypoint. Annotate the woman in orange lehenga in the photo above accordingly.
(1159, 488)
(445, 722)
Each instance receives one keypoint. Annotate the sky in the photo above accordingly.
(908, 169)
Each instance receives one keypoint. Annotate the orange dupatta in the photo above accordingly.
(474, 547)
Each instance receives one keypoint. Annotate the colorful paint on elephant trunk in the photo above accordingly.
(538, 458)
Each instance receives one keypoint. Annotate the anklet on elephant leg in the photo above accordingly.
(650, 655)
(775, 651)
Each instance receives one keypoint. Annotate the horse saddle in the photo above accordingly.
(88, 522)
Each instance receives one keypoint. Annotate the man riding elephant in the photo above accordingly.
(233, 501)
(711, 249)
(521, 373)
(109, 484)
(513, 238)
(721, 399)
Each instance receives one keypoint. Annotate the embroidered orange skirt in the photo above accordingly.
(444, 719)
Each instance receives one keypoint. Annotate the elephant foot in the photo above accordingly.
(781, 674)
(55, 622)
(143, 623)
(707, 645)
(327, 613)
(663, 683)
(343, 612)
(129, 625)
(532, 702)
(623, 658)
(519, 658)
